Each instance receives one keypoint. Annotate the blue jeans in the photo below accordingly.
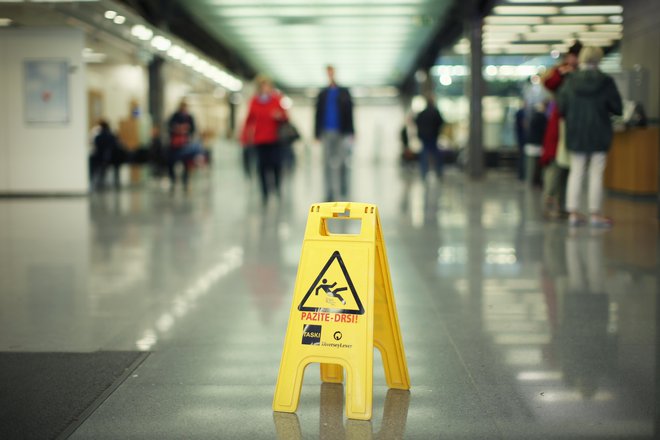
(430, 150)
(182, 155)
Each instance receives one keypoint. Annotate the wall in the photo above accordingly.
(41, 158)
(119, 85)
(641, 34)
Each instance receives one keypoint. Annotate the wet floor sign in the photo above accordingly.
(343, 307)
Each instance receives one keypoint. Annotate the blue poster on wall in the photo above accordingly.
(46, 91)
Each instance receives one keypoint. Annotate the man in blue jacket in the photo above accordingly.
(334, 128)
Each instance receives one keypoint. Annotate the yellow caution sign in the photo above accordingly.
(343, 307)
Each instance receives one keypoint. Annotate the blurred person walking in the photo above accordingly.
(181, 129)
(587, 99)
(333, 126)
(519, 127)
(534, 143)
(555, 161)
(429, 123)
(107, 152)
(265, 115)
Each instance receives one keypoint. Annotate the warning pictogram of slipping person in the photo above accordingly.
(332, 290)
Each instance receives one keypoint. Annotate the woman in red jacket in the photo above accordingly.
(264, 117)
(555, 173)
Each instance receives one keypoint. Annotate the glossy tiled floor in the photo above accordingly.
(514, 328)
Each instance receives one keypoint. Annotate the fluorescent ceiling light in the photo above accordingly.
(507, 29)
(235, 3)
(199, 65)
(501, 37)
(110, 15)
(311, 11)
(542, 1)
(577, 19)
(608, 28)
(555, 36)
(589, 10)
(526, 10)
(526, 48)
(499, 19)
(604, 35)
(176, 52)
(616, 19)
(161, 43)
(561, 28)
(5, 22)
(365, 21)
(142, 32)
(446, 70)
(445, 80)
(589, 41)
(189, 59)
(120, 19)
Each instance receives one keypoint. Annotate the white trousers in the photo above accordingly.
(594, 164)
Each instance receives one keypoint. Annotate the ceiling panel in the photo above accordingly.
(371, 42)
(548, 27)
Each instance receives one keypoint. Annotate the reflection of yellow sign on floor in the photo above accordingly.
(343, 307)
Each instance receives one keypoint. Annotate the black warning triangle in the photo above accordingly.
(304, 307)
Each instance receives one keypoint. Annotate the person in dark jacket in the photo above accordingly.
(587, 100)
(429, 123)
(181, 128)
(333, 126)
(520, 140)
(106, 153)
(534, 143)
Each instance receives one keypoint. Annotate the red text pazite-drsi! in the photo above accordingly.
(329, 317)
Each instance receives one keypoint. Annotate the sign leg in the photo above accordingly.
(359, 393)
(332, 373)
(289, 384)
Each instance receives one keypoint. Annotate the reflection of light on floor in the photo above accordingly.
(513, 284)
(185, 300)
(539, 376)
(284, 231)
(417, 205)
(574, 396)
(524, 356)
(164, 323)
(506, 324)
(613, 321)
(499, 254)
(147, 340)
(496, 213)
(452, 255)
(522, 339)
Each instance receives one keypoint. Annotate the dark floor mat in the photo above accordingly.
(46, 395)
